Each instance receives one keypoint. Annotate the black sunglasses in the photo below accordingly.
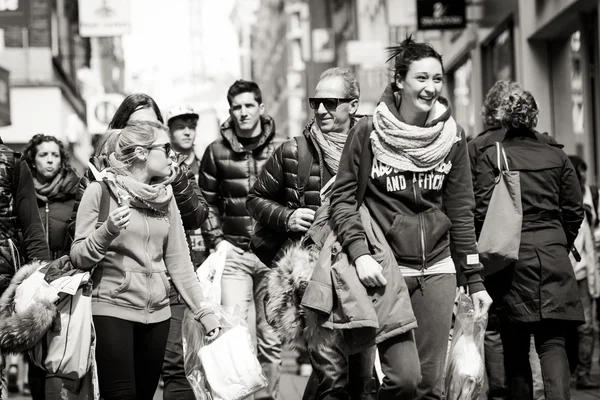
(165, 146)
(330, 103)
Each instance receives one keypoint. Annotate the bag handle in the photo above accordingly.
(500, 157)
(305, 161)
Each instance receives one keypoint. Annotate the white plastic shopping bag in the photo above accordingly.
(225, 368)
(209, 274)
(466, 366)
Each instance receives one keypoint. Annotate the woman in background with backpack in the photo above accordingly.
(538, 294)
(286, 196)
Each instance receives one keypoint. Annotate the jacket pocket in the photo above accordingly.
(132, 292)
(436, 225)
(159, 289)
(403, 237)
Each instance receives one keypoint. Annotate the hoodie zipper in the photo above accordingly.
(148, 273)
(421, 236)
(47, 224)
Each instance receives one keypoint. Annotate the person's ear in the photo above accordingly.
(261, 107)
(399, 82)
(353, 106)
(141, 154)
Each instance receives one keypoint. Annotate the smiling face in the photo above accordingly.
(337, 120)
(422, 85)
(47, 161)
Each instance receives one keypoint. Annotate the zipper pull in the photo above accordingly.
(421, 280)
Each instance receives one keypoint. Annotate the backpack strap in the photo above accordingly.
(305, 161)
(364, 167)
(104, 203)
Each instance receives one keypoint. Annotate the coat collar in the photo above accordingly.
(267, 133)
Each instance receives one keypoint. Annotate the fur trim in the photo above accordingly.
(19, 333)
(296, 326)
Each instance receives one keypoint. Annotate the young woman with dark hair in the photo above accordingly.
(537, 295)
(419, 191)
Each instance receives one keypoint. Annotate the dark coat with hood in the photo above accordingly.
(541, 284)
(228, 172)
(56, 212)
(420, 214)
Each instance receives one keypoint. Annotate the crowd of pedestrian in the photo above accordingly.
(350, 241)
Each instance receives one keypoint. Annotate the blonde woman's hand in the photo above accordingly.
(118, 220)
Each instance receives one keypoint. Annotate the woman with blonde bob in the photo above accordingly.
(141, 245)
(538, 294)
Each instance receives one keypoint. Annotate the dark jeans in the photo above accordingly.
(177, 386)
(585, 332)
(400, 366)
(550, 339)
(337, 376)
(129, 356)
(494, 358)
(432, 303)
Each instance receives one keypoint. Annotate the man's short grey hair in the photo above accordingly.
(349, 78)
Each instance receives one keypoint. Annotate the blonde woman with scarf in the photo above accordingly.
(134, 252)
(420, 193)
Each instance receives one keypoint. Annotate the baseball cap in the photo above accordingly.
(180, 110)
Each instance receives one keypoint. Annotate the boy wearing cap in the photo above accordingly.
(182, 121)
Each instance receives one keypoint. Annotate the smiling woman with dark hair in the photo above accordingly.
(414, 158)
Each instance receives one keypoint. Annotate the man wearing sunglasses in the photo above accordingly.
(230, 166)
(277, 202)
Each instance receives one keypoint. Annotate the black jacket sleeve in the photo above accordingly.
(190, 201)
(344, 213)
(459, 203)
(571, 203)
(28, 217)
(263, 202)
(212, 230)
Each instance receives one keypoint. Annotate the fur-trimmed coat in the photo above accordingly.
(315, 295)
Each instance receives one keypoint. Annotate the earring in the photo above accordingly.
(143, 158)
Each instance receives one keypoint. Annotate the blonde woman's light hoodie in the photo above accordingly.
(131, 279)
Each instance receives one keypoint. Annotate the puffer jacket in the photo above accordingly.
(192, 206)
(276, 193)
(228, 172)
(55, 214)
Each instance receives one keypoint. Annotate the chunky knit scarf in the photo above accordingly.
(155, 197)
(60, 188)
(331, 146)
(408, 147)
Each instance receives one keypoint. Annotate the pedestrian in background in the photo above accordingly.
(132, 252)
(278, 201)
(538, 294)
(182, 122)
(230, 166)
(55, 185)
(588, 281)
(420, 193)
(21, 228)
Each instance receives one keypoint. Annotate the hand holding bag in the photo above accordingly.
(500, 236)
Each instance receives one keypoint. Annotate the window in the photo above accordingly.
(499, 57)
(463, 106)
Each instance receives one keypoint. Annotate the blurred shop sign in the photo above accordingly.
(4, 97)
(104, 17)
(402, 12)
(441, 15)
(14, 13)
(323, 45)
(366, 53)
(100, 110)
